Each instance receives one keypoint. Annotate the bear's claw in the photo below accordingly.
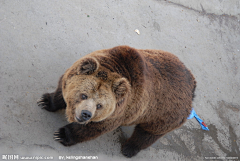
(39, 100)
(63, 136)
(45, 102)
(56, 136)
(56, 132)
(59, 136)
(57, 139)
(44, 107)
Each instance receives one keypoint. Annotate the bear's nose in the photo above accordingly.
(86, 115)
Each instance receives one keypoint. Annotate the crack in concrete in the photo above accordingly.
(22, 143)
(203, 11)
(179, 146)
(44, 146)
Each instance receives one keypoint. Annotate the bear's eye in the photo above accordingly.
(99, 106)
(84, 97)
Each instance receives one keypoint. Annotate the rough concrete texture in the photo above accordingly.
(39, 40)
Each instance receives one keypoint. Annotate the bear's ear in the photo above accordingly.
(88, 66)
(120, 88)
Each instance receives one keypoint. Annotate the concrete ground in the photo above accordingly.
(39, 40)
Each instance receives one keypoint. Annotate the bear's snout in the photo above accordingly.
(85, 115)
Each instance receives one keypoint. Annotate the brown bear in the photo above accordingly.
(123, 86)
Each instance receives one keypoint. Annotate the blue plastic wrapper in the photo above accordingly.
(193, 114)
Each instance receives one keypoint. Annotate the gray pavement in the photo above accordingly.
(39, 40)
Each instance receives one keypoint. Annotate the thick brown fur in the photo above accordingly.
(151, 89)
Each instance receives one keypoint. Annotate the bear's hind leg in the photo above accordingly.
(53, 101)
(139, 140)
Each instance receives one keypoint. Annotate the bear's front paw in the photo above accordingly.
(129, 150)
(63, 135)
(45, 102)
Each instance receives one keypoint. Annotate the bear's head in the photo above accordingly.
(92, 92)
